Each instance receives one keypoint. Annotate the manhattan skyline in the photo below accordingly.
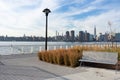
(18, 17)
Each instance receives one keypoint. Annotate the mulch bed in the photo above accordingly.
(107, 66)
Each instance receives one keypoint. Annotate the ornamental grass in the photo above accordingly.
(70, 57)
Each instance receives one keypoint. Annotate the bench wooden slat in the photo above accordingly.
(100, 57)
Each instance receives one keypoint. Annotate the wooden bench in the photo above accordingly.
(100, 57)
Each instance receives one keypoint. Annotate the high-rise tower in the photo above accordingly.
(72, 35)
(67, 36)
(56, 36)
(95, 33)
(81, 36)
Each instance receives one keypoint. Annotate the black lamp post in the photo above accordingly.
(46, 11)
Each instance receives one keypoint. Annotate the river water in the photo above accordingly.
(13, 47)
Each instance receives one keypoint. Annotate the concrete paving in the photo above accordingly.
(28, 67)
(23, 73)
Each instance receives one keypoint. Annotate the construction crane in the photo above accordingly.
(111, 32)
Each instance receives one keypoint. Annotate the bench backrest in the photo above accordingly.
(101, 57)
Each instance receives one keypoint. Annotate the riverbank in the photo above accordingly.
(28, 67)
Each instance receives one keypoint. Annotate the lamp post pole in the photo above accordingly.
(46, 11)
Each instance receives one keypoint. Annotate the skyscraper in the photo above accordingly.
(56, 36)
(81, 36)
(67, 38)
(95, 33)
(72, 36)
(87, 36)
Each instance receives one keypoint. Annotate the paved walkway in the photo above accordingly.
(23, 73)
(28, 67)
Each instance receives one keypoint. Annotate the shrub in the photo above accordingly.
(40, 56)
(71, 56)
(66, 58)
(50, 56)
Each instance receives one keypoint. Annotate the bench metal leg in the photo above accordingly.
(117, 67)
(81, 63)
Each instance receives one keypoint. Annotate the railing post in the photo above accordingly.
(61, 47)
(48, 48)
(81, 46)
(22, 50)
(66, 47)
(11, 49)
(31, 49)
(54, 47)
(71, 46)
(40, 48)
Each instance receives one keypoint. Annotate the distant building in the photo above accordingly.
(67, 37)
(117, 37)
(101, 37)
(95, 36)
(2, 38)
(56, 35)
(81, 36)
(106, 37)
(87, 36)
(72, 37)
(91, 37)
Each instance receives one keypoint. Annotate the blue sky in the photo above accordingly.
(19, 17)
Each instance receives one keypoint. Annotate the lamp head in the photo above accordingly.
(46, 11)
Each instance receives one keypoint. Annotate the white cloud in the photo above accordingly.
(15, 20)
(101, 22)
(97, 1)
(19, 23)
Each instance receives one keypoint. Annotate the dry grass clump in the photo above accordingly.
(70, 57)
(65, 57)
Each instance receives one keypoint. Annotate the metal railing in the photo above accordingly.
(25, 49)
(28, 49)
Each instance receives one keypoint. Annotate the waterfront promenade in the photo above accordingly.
(28, 67)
